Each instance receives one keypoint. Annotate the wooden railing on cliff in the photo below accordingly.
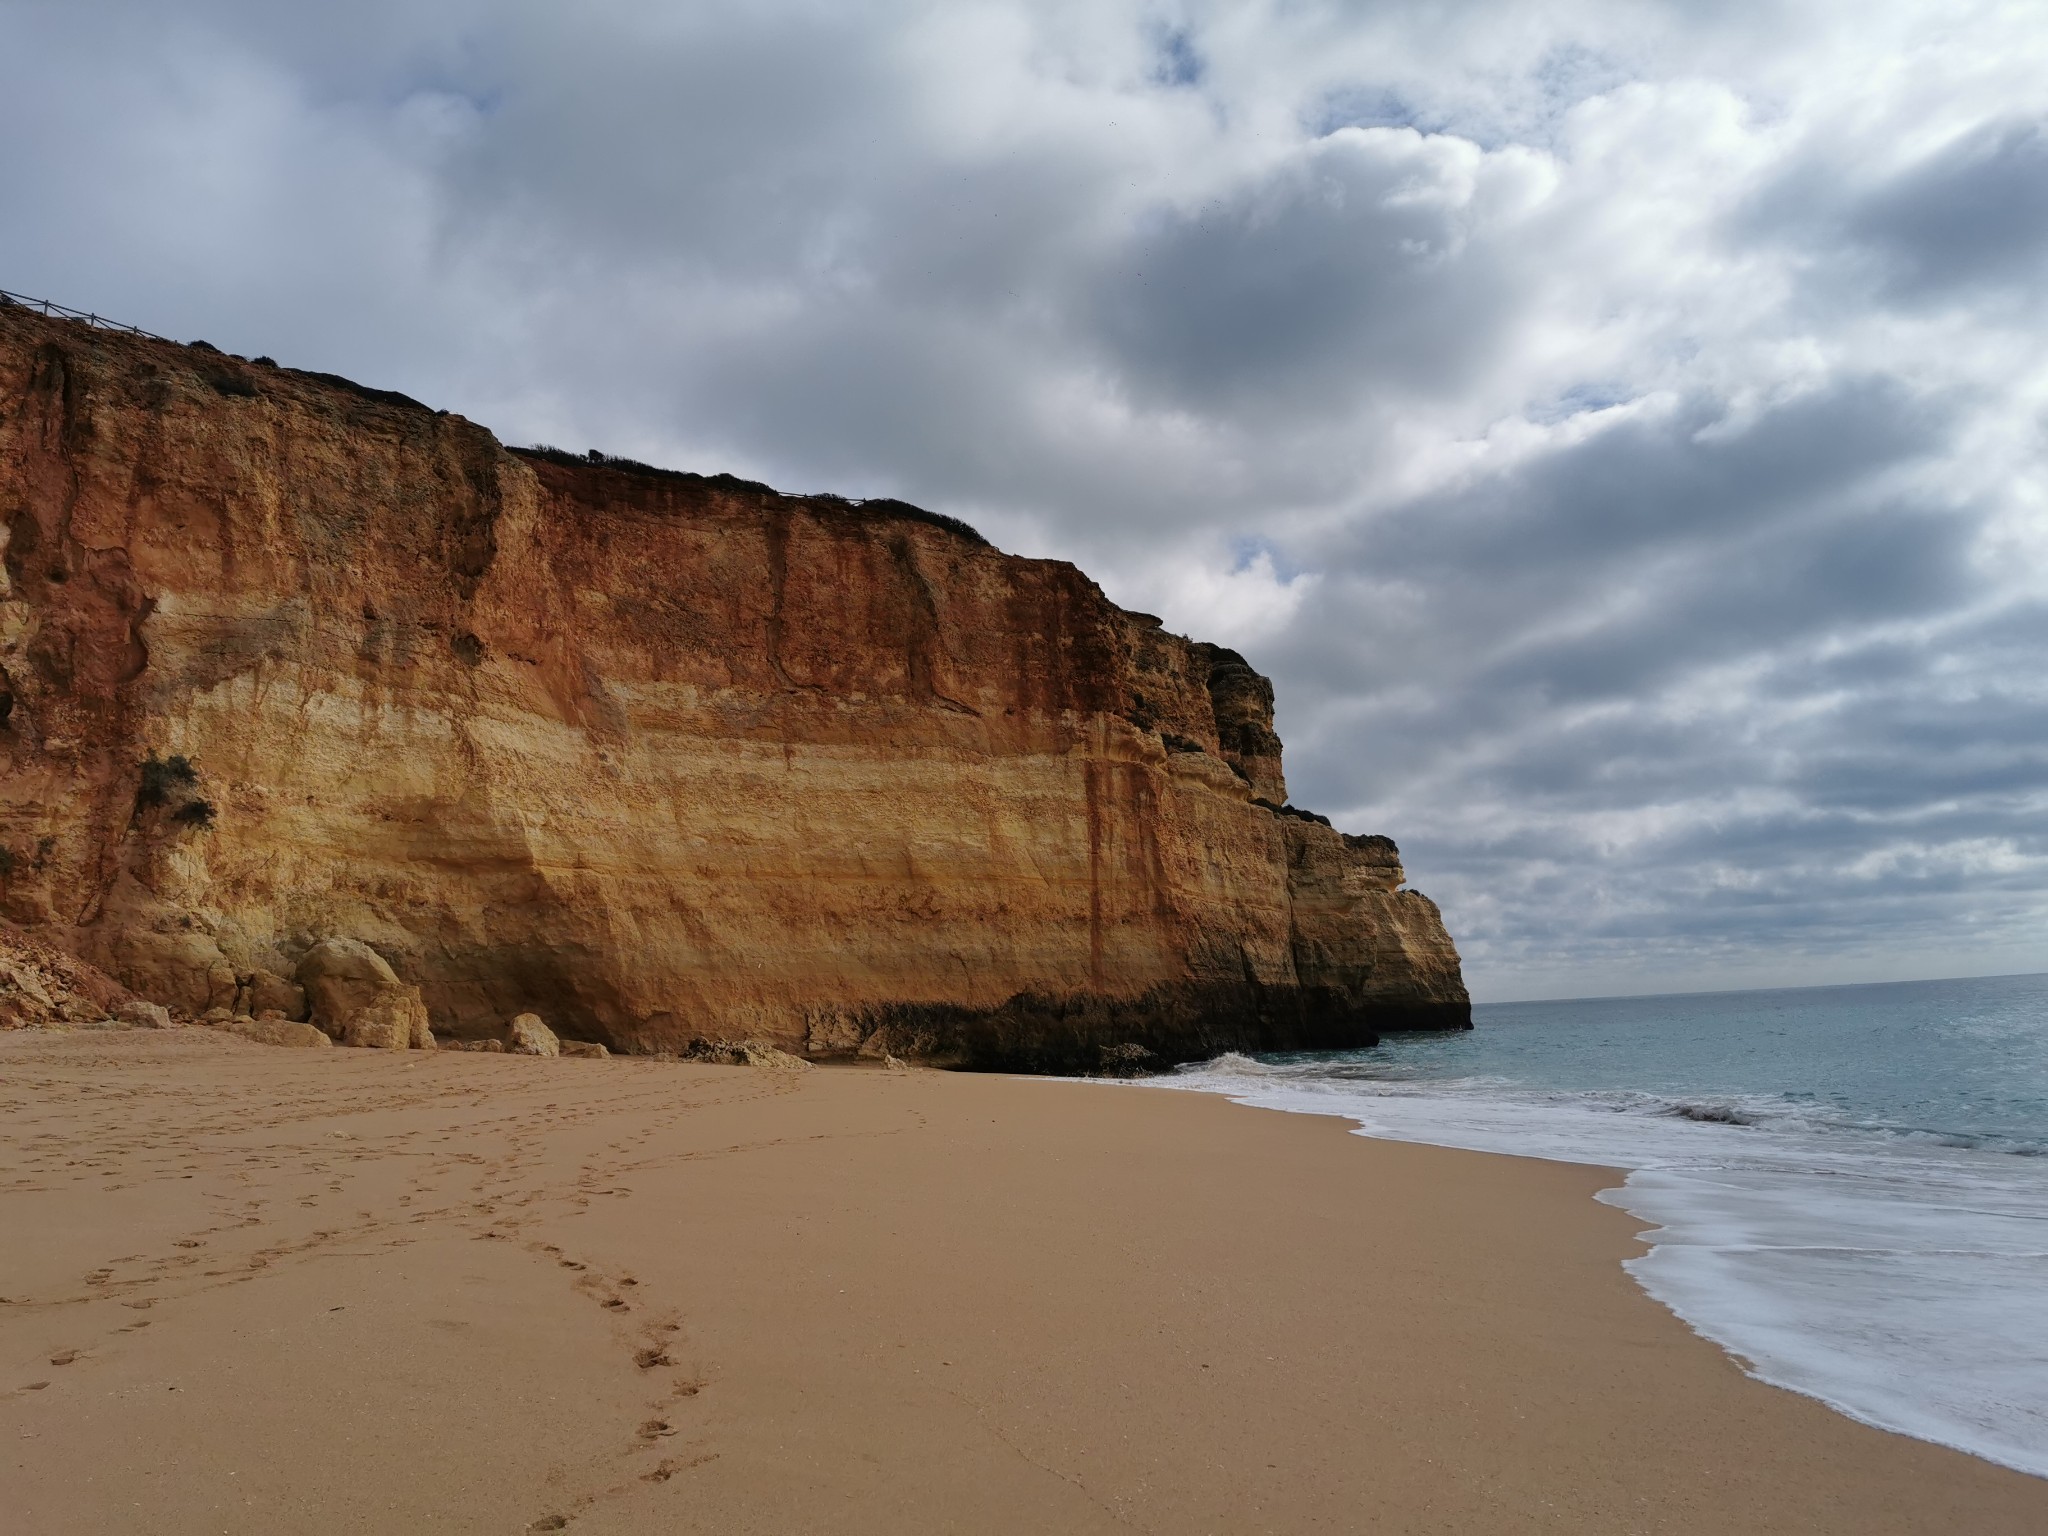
(64, 312)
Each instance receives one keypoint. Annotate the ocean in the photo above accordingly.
(1847, 1186)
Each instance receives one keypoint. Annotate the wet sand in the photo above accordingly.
(261, 1290)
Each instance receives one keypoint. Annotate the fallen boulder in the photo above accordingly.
(472, 1045)
(265, 992)
(583, 1048)
(183, 966)
(357, 999)
(526, 1035)
(392, 1022)
(278, 1031)
(143, 1015)
(745, 1053)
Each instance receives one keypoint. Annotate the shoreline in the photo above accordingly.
(1764, 1243)
(319, 1291)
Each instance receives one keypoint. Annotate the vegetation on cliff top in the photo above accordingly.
(879, 506)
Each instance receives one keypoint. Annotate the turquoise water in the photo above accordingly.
(1959, 1062)
(1846, 1187)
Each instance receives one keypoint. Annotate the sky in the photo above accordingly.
(1620, 429)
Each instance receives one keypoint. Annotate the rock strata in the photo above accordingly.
(287, 663)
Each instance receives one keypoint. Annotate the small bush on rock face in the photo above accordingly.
(196, 813)
(161, 775)
(230, 381)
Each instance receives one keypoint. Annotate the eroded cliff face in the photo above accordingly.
(658, 757)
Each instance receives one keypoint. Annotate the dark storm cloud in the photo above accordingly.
(1611, 568)
(1349, 269)
(1975, 211)
(1692, 477)
(1618, 427)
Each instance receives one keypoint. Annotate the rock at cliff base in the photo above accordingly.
(1127, 1060)
(183, 966)
(24, 999)
(393, 1022)
(144, 1015)
(356, 998)
(473, 1045)
(279, 1031)
(745, 1053)
(342, 975)
(583, 1048)
(40, 985)
(895, 1064)
(265, 992)
(526, 1035)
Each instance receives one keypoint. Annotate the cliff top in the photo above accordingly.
(233, 376)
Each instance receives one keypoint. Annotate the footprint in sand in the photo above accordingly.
(64, 1357)
(669, 1469)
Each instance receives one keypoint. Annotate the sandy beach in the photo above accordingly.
(260, 1290)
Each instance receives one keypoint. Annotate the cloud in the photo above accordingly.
(1618, 426)
(1974, 212)
(1372, 261)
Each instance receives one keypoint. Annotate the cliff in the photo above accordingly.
(660, 757)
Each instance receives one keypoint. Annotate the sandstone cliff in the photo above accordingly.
(659, 757)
